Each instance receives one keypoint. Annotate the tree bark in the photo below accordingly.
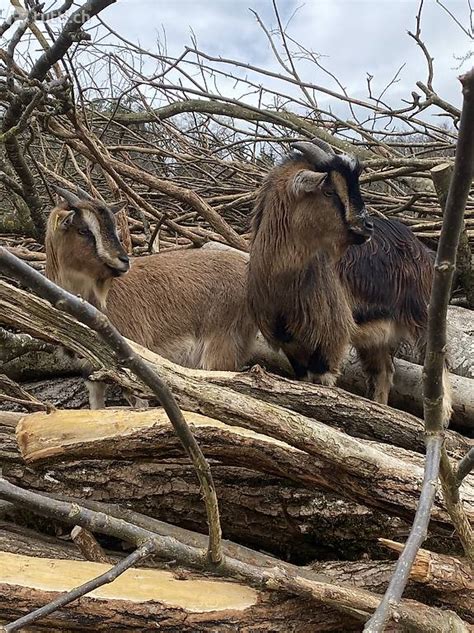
(406, 392)
(341, 409)
(441, 175)
(426, 582)
(263, 511)
(64, 435)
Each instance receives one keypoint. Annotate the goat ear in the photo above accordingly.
(66, 221)
(307, 181)
(117, 206)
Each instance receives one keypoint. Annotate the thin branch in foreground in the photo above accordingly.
(434, 395)
(96, 320)
(144, 551)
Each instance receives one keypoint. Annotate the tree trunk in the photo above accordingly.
(341, 409)
(283, 449)
(406, 392)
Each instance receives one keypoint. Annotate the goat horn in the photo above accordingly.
(83, 194)
(70, 197)
(318, 156)
(323, 145)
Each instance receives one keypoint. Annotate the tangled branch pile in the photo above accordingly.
(189, 159)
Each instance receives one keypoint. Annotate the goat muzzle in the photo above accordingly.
(120, 266)
(362, 230)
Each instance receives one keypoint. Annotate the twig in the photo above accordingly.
(454, 506)
(88, 315)
(434, 396)
(87, 544)
(144, 551)
(18, 395)
(464, 467)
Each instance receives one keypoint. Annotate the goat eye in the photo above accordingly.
(85, 232)
(328, 192)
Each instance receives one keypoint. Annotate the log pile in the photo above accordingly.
(303, 472)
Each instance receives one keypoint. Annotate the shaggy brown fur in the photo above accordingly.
(389, 282)
(190, 307)
(295, 246)
(312, 290)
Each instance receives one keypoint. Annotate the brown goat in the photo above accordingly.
(190, 307)
(322, 274)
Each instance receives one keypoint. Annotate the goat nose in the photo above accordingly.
(123, 258)
(369, 225)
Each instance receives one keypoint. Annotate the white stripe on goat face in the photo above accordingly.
(340, 185)
(94, 226)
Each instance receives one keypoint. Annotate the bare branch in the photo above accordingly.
(465, 466)
(434, 396)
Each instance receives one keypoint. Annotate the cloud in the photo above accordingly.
(355, 37)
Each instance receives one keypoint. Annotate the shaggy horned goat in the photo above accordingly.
(190, 307)
(323, 274)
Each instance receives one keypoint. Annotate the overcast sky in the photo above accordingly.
(355, 37)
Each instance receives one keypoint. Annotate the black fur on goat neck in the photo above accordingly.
(390, 276)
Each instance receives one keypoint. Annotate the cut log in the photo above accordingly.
(370, 575)
(460, 354)
(25, 358)
(406, 392)
(121, 434)
(263, 512)
(8, 444)
(375, 576)
(151, 599)
(443, 573)
(67, 393)
(341, 409)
